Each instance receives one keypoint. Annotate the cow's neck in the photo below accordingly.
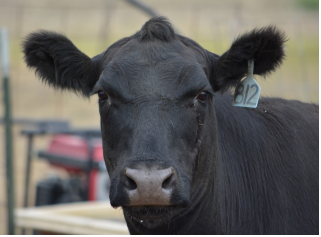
(237, 130)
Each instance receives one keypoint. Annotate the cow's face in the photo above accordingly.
(153, 101)
(156, 101)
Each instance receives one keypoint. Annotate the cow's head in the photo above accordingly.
(156, 102)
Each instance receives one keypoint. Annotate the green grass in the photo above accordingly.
(309, 4)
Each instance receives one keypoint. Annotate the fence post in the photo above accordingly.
(4, 46)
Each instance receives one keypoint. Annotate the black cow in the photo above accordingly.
(181, 158)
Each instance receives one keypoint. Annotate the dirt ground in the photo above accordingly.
(94, 25)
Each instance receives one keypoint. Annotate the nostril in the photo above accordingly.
(169, 182)
(129, 183)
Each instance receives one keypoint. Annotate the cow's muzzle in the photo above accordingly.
(149, 186)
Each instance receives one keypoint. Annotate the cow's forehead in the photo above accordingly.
(155, 51)
(156, 67)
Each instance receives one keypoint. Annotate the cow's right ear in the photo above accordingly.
(265, 46)
(59, 63)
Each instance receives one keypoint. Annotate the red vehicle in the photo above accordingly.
(82, 158)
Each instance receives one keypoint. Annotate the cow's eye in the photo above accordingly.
(202, 96)
(102, 95)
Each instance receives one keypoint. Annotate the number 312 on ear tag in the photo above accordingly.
(247, 92)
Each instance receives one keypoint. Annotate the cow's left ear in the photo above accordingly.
(265, 46)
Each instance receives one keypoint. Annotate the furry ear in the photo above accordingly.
(265, 46)
(59, 63)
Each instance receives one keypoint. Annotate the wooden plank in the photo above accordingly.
(75, 218)
(101, 209)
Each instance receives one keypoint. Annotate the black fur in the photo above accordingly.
(236, 170)
(265, 168)
(157, 28)
(265, 46)
(59, 63)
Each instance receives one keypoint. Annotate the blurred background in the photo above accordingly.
(94, 25)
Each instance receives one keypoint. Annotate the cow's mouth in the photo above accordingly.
(150, 216)
(144, 213)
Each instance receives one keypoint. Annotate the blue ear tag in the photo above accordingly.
(247, 92)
